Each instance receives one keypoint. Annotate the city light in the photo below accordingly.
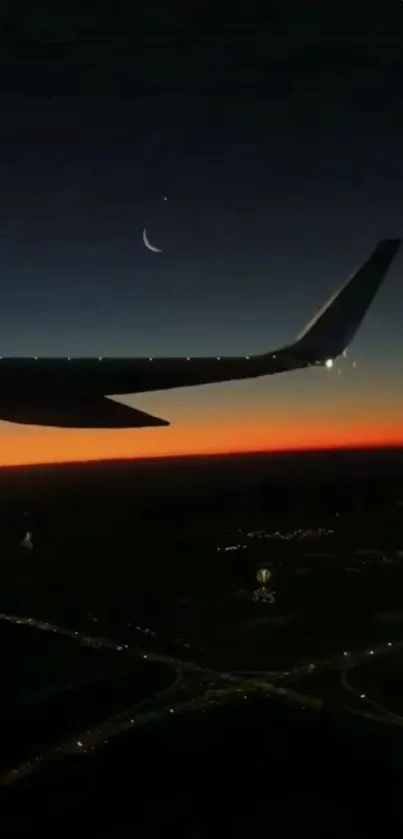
(265, 680)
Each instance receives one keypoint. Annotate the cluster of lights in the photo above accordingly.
(298, 533)
(233, 548)
(79, 743)
(264, 595)
(301, 532)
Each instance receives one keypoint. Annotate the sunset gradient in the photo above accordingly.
(227, 418)
(84, 446)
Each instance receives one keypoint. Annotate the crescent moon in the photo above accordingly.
(148, 244)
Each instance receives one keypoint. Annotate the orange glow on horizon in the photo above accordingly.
(37, 446)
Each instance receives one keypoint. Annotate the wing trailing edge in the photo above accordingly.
(77, 412)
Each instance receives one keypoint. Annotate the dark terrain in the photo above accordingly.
(162, 557)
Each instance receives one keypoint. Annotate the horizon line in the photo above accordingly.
(369, 447)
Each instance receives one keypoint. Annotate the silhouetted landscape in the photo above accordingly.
(168, 623)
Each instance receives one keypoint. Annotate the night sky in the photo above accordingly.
(278, 144)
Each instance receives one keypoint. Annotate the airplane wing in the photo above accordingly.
(73, 393)
(332, 330)
(78, 412)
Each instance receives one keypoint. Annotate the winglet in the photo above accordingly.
(334, 327)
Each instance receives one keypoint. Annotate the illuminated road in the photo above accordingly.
(213, 688)
(381, 709)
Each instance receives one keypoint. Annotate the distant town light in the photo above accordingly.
(329, 363)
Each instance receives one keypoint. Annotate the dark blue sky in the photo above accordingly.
(268, 207)
(278, 142)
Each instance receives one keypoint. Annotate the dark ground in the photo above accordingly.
(233, 771)
(147, 554)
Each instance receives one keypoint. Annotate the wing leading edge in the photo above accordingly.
(334, 327)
